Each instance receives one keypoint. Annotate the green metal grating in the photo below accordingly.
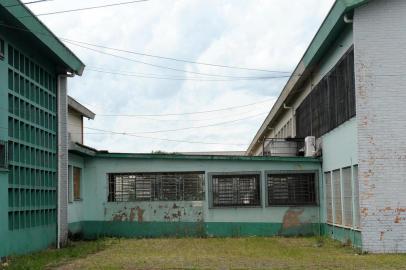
(32, 126)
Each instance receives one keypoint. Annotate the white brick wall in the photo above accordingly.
(380, 54)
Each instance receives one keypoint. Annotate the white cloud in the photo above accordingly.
(265, 34)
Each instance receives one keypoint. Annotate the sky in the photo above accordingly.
(152, 114)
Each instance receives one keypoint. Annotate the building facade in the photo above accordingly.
(34, 66)
(348, 91)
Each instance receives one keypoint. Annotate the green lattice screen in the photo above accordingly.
(32, 124)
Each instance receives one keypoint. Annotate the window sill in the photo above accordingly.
(4, 170)
(293, 205)
(236, 207)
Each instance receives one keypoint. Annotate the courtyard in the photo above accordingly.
(206, 253)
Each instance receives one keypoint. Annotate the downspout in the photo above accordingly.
(347, 19)
(62, 110)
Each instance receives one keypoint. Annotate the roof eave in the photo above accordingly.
(75, 105)
(313, 53)
(28, 19)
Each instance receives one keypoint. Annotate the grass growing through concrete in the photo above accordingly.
(211, 253)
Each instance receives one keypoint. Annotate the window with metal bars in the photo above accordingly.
(347, 197)
(329, 197)
(3, 155)
(236, 190)
(179, 186)
(291, 189)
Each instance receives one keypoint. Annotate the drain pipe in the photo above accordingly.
(347, 19)
(293, 117)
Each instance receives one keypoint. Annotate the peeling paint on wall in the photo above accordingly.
(292, 218)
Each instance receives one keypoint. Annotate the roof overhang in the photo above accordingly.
(327, 33)
(76, 106)
(32, 24)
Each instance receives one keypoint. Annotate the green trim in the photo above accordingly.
(95, 229)
(344, 235)
(25, 17)
(329, 30)
(205, 157)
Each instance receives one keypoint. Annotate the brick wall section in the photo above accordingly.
(62, 160)
(380, 54)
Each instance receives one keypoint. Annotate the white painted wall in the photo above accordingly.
(75, 122)
(380, 68)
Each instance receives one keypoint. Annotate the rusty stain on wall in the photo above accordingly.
(292, 218)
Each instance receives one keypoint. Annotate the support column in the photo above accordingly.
(62, 161)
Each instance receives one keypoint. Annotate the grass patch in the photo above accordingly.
(209, 253)
(53, 257)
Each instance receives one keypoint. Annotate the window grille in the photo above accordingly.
(347, 197)
(237, 190)
(338, 218)
(179, 186)
(356, 198)
(32, 136)
(291, 189)
(330, 103)
(329, 198)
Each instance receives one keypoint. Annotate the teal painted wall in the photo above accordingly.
(36, 218)
(75, 208)
(4, 137)
(163, 218)
(344, 235)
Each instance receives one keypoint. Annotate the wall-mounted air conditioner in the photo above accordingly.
(310, 146)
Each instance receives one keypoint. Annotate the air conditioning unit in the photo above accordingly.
(310, 146)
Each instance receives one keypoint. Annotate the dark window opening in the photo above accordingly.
(77, 174)
(291, 189)
(236, 190)
(331, 102)
(3, 155)
(180, 186)
(1, 49)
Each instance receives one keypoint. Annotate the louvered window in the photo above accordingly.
(330, 103)
(329, 197)
(347, 197)
(338, 213)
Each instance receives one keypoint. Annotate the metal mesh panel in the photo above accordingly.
(125, 187)
(329, 197)
(330, 103)
(292, 189)
(356, 198)
(236, 190)
(347, 197)
(32, 142)
(338, 216)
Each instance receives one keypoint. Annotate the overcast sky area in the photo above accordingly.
(260, 34)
